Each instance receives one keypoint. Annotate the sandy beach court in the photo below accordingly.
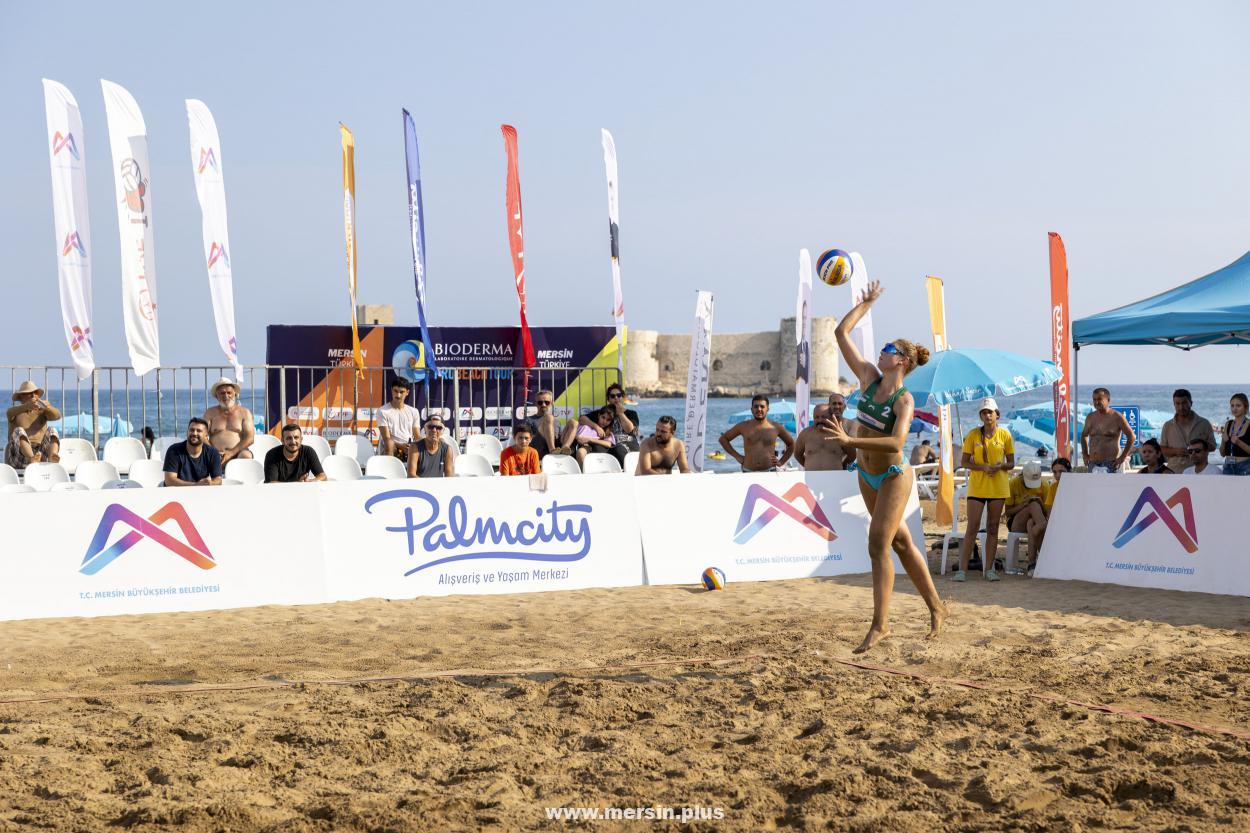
(642, 697)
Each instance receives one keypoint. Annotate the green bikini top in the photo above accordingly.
(879, 416)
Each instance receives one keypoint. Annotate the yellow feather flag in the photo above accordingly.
(946, 475)
(349, 227)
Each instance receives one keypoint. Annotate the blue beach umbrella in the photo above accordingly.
(953, 376)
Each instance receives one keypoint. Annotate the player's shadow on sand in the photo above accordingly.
(1173, 607)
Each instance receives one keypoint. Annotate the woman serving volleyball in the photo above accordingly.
(885, 479)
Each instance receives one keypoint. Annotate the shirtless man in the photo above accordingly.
(30, 438)
(1100, 439)
(815, 449)
(759, 440)
(230, 427)
(545, 424)
(661, 451)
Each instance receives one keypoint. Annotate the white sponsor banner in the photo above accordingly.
(757, 527)
(695, 428)
(155, 550)
(614, 237)
(862, 335)
(128, 140)
(432, 537)
(1168, 531)
(67, 151)
(803, 342)
(210, 189)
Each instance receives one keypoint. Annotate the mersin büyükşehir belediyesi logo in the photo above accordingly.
(559, 532)
(1159, 510)
(815, 520)
(194, 550)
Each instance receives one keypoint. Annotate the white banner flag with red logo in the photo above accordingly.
(862, 333)
(128, 140)
(803, 342)
(210, 189)
(697, 378)
(69, 216)
(614, 237)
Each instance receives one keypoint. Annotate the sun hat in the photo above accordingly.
(28, 387)
(226, 380)
(988, 404)
(1032, 474)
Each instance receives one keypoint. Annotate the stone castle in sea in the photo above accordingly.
(743, 364)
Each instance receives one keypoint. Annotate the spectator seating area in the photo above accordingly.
(125, 465)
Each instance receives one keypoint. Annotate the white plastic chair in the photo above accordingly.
(956, 536)
(355, 446)
(8, 475)
(95, 473)
(122, 484)
(43, 476)
(68, 487)
(486, 445)
(631, 462)
(386, 467)
(560, 464)
(1011, 559)
(75, 450)
(160, 445)
(148, 473)
(16, 489)
(472, 464)
(600, 464)
(262, 445)
(320, 445)
(122, 451)
(246, 471)
(341, 467)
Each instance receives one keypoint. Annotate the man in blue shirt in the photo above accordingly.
(193, 462)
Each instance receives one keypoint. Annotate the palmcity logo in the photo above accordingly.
(193, 549)
(815, 519)
(1150, 508)
(73, 243)
(555, 533)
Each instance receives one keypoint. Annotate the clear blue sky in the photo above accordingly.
(938, 139)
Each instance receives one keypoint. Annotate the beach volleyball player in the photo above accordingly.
(885, 479)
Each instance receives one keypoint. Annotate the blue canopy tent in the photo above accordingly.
(1214, 309)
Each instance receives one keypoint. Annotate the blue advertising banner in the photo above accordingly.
(479, 384)
(416, 225)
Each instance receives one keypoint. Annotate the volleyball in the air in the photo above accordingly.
(714, 578)
(834, 267)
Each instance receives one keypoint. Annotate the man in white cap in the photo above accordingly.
(230, 427)
(31, 440)
(1026, 510)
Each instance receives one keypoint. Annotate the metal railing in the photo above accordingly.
(329, 400)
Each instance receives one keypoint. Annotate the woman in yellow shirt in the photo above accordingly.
(989, 455)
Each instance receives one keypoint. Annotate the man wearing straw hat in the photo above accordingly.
(31, 440)
(230, 427)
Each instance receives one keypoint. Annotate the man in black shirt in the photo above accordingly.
(292, 462)
(193, 462)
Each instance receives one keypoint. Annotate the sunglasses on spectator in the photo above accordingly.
(615, 395)
(543, 402)
(890, 348)
(434, 426)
